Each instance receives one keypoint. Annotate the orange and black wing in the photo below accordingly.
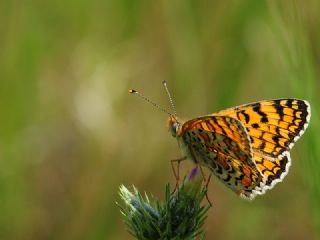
(274, 126)
(273, 171)
(222, 144)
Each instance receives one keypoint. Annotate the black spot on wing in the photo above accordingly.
(275, 138)
(219, 170)
(264, 119)
(301, 104)
(257, 109)
(227, 179)
(304, 114)
(246, 116)
(262, 145)
(279, 108)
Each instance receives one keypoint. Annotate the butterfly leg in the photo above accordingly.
(202, 173)
(203, 176)
(198, 164)
(207, 181)
(206, 187)
(177, 174)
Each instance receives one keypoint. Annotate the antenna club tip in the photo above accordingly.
(132, 91)
(164, 82)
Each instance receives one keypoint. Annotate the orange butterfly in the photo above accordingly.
(246, 147)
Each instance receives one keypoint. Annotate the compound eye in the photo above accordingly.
(175, 126)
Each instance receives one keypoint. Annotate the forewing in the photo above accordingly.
(274, 126)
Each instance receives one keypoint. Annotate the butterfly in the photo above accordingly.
(247, 147)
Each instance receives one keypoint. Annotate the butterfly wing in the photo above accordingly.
(274, 126)
(222, 144)
(272, 171)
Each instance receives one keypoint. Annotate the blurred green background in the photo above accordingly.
(70, 133)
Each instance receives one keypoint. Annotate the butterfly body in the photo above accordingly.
(246, 147)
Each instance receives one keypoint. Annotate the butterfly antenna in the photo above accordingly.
(149, 101)
(170, 98)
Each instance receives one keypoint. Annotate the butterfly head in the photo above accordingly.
(174, 125)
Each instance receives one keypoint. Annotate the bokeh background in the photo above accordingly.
(70, 134)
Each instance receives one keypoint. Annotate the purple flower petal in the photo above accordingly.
(194, 172)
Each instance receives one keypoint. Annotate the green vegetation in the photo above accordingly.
(70, 134)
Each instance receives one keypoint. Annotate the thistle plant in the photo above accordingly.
(180, 216)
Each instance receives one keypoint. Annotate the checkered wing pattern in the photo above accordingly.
(222, 144)
(274, 126)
